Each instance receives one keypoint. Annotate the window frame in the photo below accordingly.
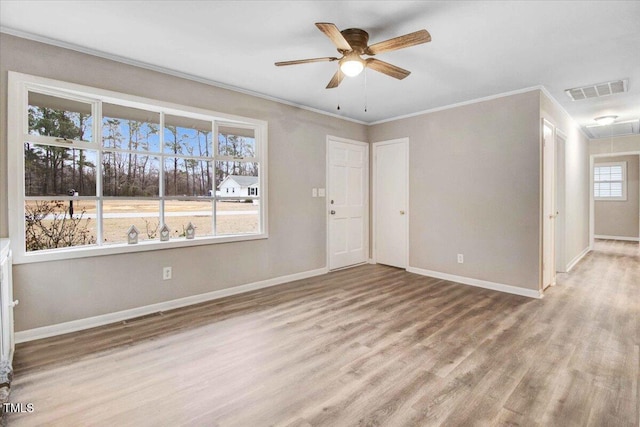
(19, 86)
(623, 181)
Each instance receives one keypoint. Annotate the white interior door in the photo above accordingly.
(548, 206)
(348, 202)
(390, 200)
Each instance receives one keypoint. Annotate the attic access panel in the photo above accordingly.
(631, 127)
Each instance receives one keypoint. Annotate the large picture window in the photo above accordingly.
(96, 166)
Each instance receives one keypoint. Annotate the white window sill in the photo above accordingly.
(150, 245)
(610, 199)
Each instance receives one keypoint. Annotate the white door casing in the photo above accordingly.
(560, 189)
(548, 205)
(592, 213)
(390, 202)
(347, 202)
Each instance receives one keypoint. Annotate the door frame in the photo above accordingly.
(544, 169)
(592, 202)
(367, 205)
(374, 185)
(560, 201)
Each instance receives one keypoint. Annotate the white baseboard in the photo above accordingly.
(577, 259)
(623, 238)
(104, 319)
(371, 261)
(477, 282)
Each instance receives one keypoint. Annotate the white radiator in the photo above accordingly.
(7, 344)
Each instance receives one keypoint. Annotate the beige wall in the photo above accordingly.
(475, 188)
(60, 291)
(574, 183)
(620, 218)
(619, 144)
(474, 179)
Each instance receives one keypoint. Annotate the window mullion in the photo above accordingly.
(214, 141)
(214, 157)
(97, 137)
(213, 217)
(161, 189)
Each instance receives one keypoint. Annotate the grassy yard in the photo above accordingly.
(119, 215)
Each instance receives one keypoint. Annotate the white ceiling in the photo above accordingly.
(479, 48)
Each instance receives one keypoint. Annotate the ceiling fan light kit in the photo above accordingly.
(352, 43)
(351, 65)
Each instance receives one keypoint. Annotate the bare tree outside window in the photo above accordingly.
(94, 168)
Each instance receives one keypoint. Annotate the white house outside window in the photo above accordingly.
(88, 164)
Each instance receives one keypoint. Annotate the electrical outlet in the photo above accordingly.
(314, 192)
(166, 273)
(321, 192)
(460, 259)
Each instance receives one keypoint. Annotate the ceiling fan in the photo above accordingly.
(352, 44)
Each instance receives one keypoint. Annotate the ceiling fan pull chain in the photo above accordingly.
(365, 90)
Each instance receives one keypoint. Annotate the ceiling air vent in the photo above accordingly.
(597, 90)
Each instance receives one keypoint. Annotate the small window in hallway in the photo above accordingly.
(609, 181)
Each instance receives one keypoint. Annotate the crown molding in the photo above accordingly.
(209, 82)
(458, 104)
(541, 88)
(561, 108)
(164, 70)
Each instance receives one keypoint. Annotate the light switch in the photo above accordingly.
(314, 192)
(321, 192)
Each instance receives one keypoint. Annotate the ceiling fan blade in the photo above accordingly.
(336, 79)
(331, 31)
(386, 68)
(401, 42)
(306, 61)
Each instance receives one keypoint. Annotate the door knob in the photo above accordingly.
(333, 212)
(401, 212)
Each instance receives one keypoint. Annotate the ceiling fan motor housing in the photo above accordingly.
(358, 40)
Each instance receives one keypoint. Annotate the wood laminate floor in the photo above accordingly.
(371, 345)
